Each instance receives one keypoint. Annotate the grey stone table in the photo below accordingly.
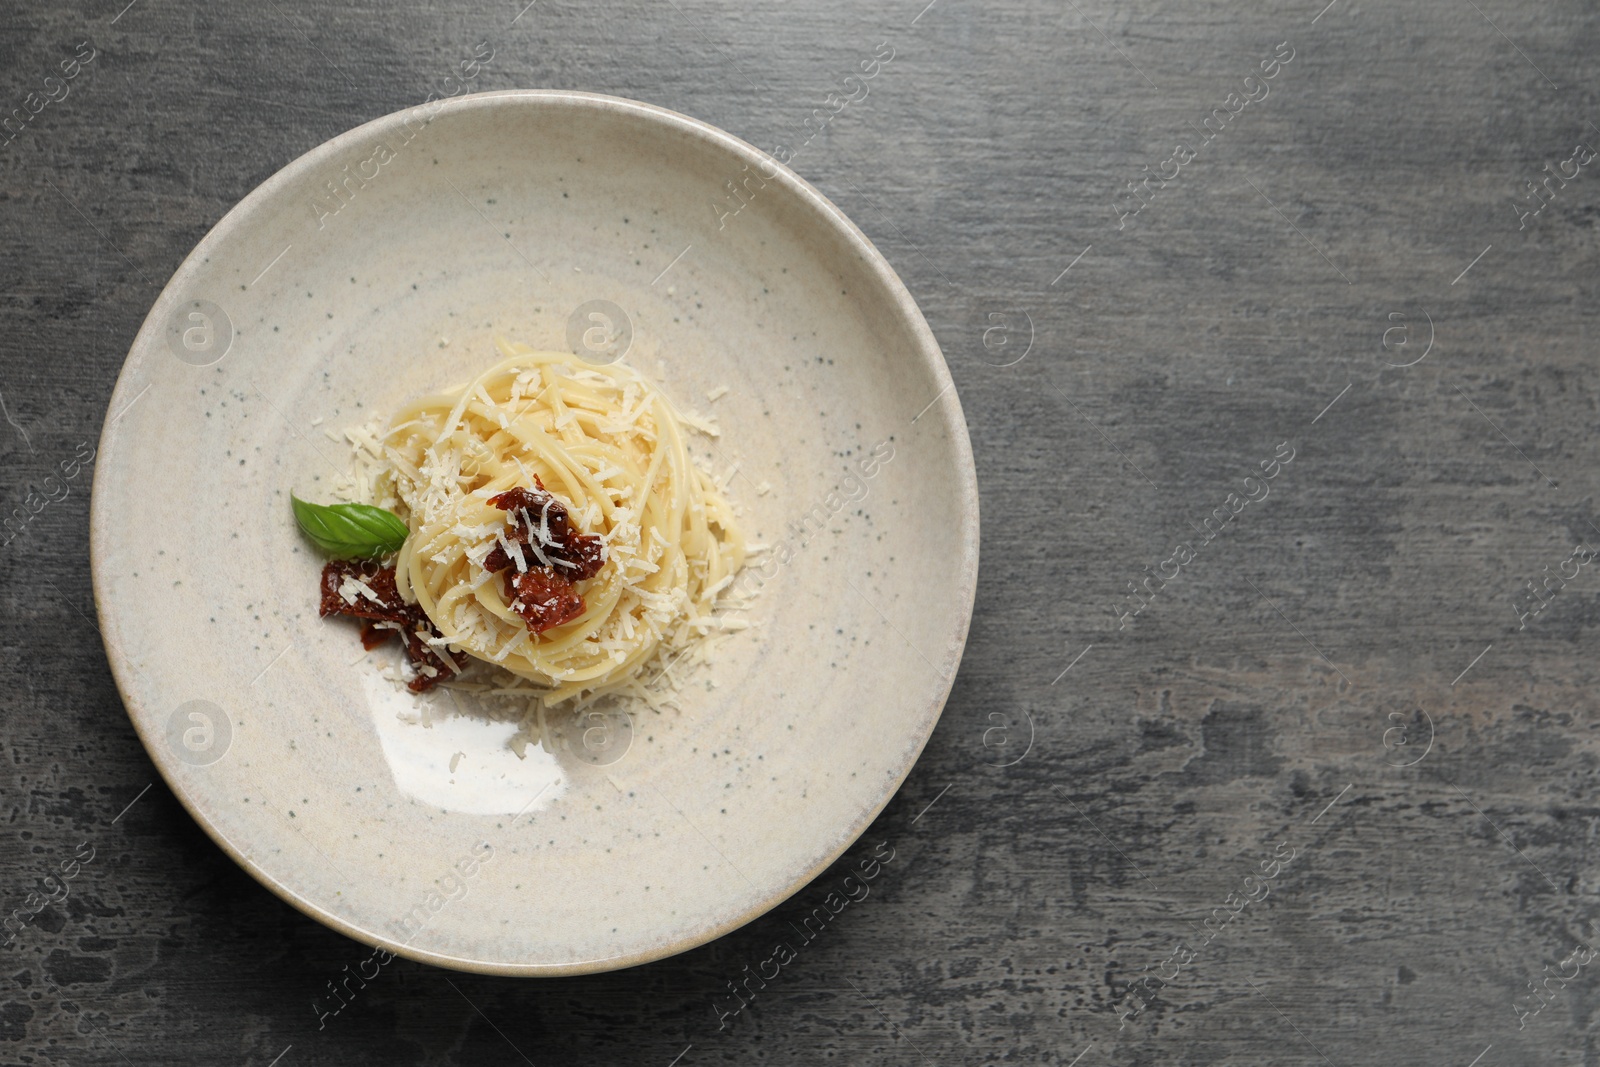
(1274, 741)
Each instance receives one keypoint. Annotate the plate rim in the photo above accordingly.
(926, 350)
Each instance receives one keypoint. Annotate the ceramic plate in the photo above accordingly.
(380, 267)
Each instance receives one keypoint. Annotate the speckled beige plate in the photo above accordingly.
(380, 266)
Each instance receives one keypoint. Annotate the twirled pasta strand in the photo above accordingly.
(611, 446)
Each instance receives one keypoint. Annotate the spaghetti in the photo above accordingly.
(611, 448)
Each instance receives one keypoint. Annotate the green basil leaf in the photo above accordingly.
(351, 531)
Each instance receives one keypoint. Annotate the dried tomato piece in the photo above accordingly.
(377, 600)
(384, 605)
(373, 635)
(538, 517)
(542, 599)
(497, 560)
(533, 499)
(424, 655)
(585, 553)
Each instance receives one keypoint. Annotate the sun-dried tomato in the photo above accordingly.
(385, 606)
(542, 599)
(548, 556)
(530, 512)
(373, 635)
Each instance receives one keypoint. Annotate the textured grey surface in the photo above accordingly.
(1341, 670)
